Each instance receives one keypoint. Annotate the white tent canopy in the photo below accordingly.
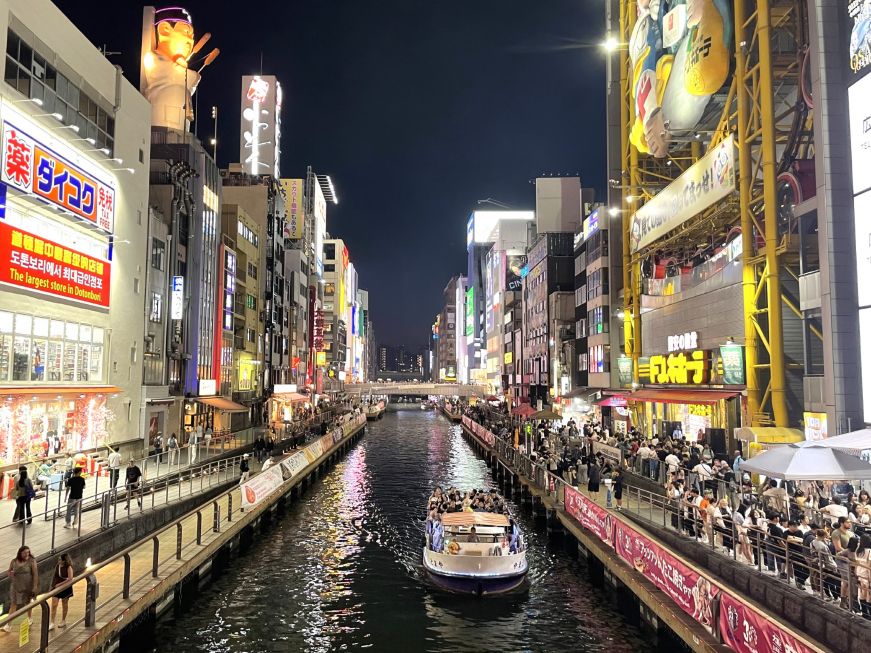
(855, 441)
(794, 462)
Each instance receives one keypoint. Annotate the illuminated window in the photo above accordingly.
(156, 312)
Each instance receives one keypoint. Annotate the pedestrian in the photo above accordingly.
(158, 447)
(131, 482)
(593, 478)
(617, 481)
(63, 575)
(207, 440)
(75, 491)
(23, 493)
(193, 444)
(24, 582)
(259, 448)
(244, 469)
(114, 467)
(172, 447)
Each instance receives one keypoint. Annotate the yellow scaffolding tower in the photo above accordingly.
(756, 110)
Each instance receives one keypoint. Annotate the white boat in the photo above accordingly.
(480, 553)
(375, 411)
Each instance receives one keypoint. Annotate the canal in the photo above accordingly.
(341, 569)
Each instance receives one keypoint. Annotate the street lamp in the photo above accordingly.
(35, 100)
(610, 44)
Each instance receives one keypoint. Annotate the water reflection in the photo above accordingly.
(341, 570)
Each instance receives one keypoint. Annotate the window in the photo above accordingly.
(597, 319)
(329, 267)
(251, 302)
(29, 72)
(158, 253)
(156, 313)
(597, 284)
(252, 270)
(330, 251)
(329, 289)
(250, 335)
(597, 245)
(39, 350)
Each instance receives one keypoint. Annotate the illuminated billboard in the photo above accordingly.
(36, 263)
(470, 311)
(859, 13)
(680, 54)
(31, 164)
(483, 226)
(320, 223)
(295, 224)
(260, 137)
(514, 265)
(859, 98)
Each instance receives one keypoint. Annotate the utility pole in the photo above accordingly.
(215, 135)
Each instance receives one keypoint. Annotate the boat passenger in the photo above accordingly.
(473, 536)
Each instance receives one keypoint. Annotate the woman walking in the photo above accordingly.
(25, 582)
(24, 493)
(63, 575)
(593, 479)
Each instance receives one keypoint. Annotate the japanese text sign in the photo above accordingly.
(293, 189)
(591, 516)
(33, 168)
(35, 263)
(745, 630)
(706, 182)
(685, 368)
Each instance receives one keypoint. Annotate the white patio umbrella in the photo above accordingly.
(854, 441)
(793, 462)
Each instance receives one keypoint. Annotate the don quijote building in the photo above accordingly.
(73, 224)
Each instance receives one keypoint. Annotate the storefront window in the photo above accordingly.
(84, 361)
(20, 359)
(37, 372)
(5, 355)
(53, 359)
(69, 368)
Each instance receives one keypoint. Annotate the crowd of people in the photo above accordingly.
(814, 535)
(476, 500)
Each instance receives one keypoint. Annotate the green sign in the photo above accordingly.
(470, 311)
(624, 371)
(733, 364)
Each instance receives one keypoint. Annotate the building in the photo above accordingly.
(335, 309)
(447, 344)
(298, 268)
(72, 315)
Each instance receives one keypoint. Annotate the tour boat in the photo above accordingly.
(375, 411)
(425, 405)
(490, 565)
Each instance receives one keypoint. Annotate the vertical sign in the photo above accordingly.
(261, 125)
(470, 311)
(176, 298)
(295, 223)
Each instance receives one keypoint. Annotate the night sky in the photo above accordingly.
(416, 109)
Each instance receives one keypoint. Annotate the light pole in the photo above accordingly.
(215, 135)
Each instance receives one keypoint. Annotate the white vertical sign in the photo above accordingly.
(176, 300)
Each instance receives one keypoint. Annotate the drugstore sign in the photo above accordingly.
(684, 368)
(37, 170)
(42, 265)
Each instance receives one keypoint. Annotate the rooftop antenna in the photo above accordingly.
(106, 52)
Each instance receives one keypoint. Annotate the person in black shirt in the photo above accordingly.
(75, 491)
(775, 546)
(131, 482)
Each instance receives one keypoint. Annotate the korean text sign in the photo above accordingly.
(34, 168)
(29, 261)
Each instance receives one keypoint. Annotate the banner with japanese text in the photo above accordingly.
(295, 464)
(42, 265)
(261, 486)
(594, 518)
(744, 630)
(692, 592)
(34, 168)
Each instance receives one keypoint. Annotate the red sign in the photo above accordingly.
(34, 168)
(318, 330)
(594, 518)
(692, 592)
(746, 631)
(257, 90)
(35, 263)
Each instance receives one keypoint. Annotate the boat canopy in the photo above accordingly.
(468, 519)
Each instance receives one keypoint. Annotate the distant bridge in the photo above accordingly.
(421, 389)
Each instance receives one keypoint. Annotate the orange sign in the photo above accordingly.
(35, 263)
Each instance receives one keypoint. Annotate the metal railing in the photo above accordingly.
(209, 473)
(836, 578)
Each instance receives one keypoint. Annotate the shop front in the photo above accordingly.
(36, 422)
(287, 405)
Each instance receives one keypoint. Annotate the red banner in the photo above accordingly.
(692, 592)
(29, 261)
(746, 631)
(594, 518)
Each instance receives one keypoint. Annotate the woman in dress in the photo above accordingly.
(63, 574)
(25, 582)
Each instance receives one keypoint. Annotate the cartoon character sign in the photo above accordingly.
(860, 34)
(680, 53)
(165, 77)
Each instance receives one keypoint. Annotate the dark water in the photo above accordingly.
(341, 571)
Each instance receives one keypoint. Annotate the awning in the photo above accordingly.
(673, 396)
(614, 401)
(474, 519)
(59, 390)
(223, 404)
(769, 434)
(160, 400)
(292, 397)
(585, 393)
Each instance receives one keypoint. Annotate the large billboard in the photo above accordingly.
(859, 95)
(320, 223)
(681, 55)
(859, 14)
(514, 265)
(294, 225)
(703, 184)
(32, 165)
(470, 311)
(260, 137)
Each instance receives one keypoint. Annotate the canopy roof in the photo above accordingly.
(855, 441)
(793, 462)
(474, 519)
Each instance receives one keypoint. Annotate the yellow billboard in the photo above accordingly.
(293, 196)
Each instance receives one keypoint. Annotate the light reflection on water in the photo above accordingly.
(341, 570)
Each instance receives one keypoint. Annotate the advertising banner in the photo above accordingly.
(261, 486)
(706, 182)
(42, 265)
(295, 464)
(32, 167)
(260, 129)
(326, 443)
(746, 631)
(591, 516)
(732, 357)
(311, 452)
(514, 264)
(692, 592)
(293, 190)
(859, 99)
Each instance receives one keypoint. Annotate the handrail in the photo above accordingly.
(88, 575)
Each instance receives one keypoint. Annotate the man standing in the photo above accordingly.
(131, 482)
(75, 491)
(158, 447)
(207, 441)
(193, 444)
(736, 464)
(172, 447)
(114, 466)
(244, 469)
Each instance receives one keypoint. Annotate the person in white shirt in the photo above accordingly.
(673, 463)
(114, 461)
